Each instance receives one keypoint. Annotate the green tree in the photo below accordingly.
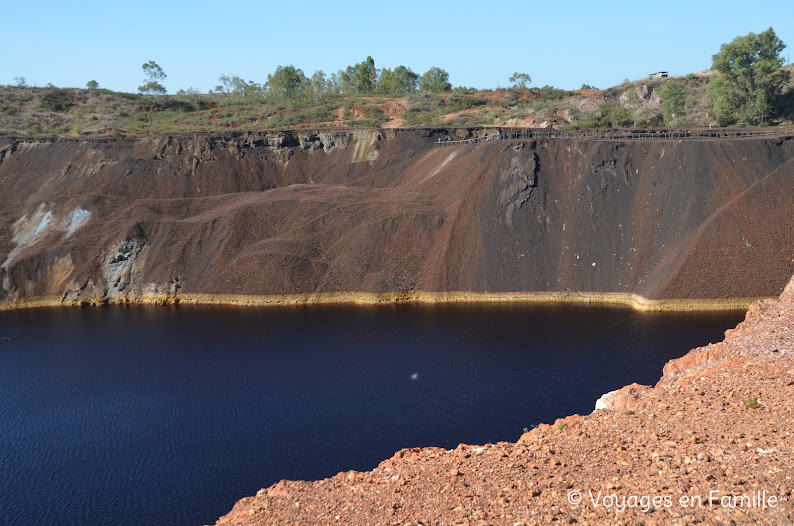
(346, 80)
(318, 85)
(364, 76)
(633, 102)
(92, 84)
(154, 74)
(335, 83)
(520, 80)
(435, 80)
(673, 97)
(20, 82)
(287, 82)
(750, 81)
(387, 82)
(399, 81)
(405, 79)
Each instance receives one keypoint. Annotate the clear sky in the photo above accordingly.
(480, 43)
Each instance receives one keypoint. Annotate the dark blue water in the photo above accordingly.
(169, 415)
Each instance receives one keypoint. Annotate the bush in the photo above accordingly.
(57, 99)
(751, 402)
(540, 105)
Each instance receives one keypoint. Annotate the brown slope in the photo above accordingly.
(384, 211)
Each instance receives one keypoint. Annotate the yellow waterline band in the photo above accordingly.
(633, 301)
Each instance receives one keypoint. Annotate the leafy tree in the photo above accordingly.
(399, 81)
(520, 80)
(633, 102)
(287, 82)
(334, 83)
(435, 80)
(234, 86)
(612, 115)
(346, 80)
(673, 97)
(92, 84)
(588, 86)
(405, 79)
(317, 85)
(364, 76)
(20, 82)
(387, 82)
(751, 80)
(154, 74)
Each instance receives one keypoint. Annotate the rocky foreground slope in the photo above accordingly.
(711, 443)
(383, 215)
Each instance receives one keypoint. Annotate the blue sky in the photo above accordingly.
(479, 43)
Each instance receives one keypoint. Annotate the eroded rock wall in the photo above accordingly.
(381, 211)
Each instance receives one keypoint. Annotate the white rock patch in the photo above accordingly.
(77, 218)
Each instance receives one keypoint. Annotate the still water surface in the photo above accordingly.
(152, 415)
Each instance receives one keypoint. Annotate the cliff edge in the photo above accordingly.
(711, 443)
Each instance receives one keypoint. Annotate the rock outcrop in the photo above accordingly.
(711, 443)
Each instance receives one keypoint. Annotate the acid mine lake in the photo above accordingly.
(169, 415)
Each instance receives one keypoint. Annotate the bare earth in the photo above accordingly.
(690, 450)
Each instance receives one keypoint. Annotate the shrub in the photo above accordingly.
(751, 402)
(540, 105)
(57, 99)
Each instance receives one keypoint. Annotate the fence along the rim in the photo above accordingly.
(617, 135)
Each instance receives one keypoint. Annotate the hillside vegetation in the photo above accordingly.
(749, 86)
(74, 112)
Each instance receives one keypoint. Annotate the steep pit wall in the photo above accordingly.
(383, 215)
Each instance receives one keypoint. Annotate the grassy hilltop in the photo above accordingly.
(749, 86)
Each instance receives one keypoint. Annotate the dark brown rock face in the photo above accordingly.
(384, 211)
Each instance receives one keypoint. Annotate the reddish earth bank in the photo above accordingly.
(711, 443)
(279, 213)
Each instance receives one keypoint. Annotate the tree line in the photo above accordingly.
(288, 83)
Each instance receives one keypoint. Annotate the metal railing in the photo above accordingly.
(527, 133)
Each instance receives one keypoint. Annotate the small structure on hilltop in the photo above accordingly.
(658, 75)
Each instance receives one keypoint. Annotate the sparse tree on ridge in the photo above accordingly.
(225, 86)
(154, 74)
(92, 84)
(520, 80)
